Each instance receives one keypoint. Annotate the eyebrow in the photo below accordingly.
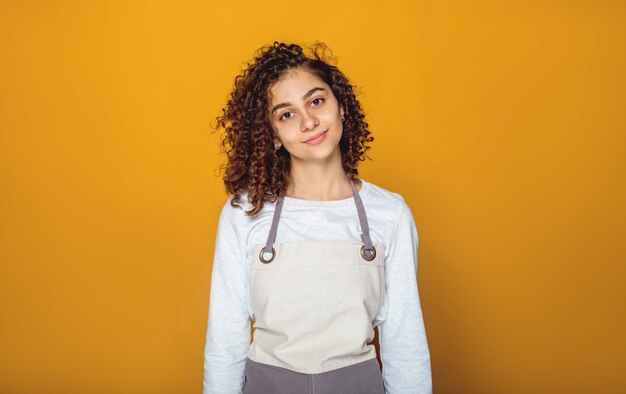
(307, 94)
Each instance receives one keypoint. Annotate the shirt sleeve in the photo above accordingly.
(404, 349)
(228, 330)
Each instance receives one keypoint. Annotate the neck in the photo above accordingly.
(319, 181)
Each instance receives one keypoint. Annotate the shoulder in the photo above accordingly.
(232, 211)
(390, 206)
(383, 198)
(237, 210)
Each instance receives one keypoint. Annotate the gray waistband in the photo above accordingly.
(365, 231)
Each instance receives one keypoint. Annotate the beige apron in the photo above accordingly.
(315, 301)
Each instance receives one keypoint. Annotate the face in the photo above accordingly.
(302, 107)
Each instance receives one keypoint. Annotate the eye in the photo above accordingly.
(281, 116)
(312, 101)
(318, 98)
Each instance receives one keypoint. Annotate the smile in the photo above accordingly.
(318, 139)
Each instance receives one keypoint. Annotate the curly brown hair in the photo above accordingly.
(252, 163)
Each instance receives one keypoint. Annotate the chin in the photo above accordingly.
(328, 151)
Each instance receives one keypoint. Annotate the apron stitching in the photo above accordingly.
(320, 266)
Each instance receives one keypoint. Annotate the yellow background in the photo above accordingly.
(502, 124)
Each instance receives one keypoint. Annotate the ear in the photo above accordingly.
(342, 111)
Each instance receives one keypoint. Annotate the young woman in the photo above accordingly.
(316, 257)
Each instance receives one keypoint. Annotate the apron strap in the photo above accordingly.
(272, 236)
(365, 236)
(365, 229)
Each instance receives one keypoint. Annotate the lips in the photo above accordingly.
(315, 138)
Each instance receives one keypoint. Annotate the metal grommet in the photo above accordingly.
(368, 258)
(263, 259)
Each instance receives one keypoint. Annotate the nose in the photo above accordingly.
(308, 122)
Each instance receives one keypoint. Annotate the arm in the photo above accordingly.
(228, 331)
(404, 349)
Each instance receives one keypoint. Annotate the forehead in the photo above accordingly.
(294, 84)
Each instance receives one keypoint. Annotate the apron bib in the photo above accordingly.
(315, 301)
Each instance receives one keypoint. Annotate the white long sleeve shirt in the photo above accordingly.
(404, 348)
